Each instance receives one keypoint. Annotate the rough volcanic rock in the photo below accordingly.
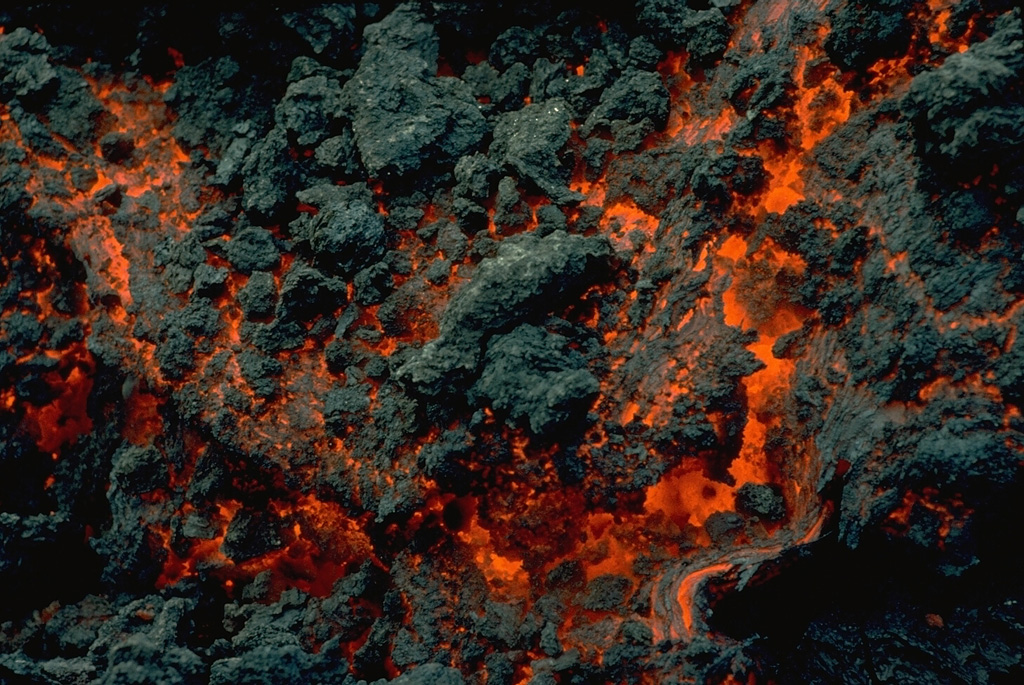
(530, 376)
(635, 96)
(348, 235)
(312, 108)
(705, 33)
(967, 113)
(531, 142)
(404, 117)
(329, 29)
(528, 277)
(269, 179)
(864, 32)
(24, 60)
(218, 105)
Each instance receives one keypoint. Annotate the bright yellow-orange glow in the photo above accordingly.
(686, 496)
(505, 576)
(690, 585)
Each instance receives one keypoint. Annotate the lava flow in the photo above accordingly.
(434, 343)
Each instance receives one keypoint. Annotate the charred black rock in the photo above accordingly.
(312, 108)
(270, 179)
(217, 104)
(763, 501)
(705, 33)
(329, 30)
(117, 147)
(24, 60)
(476, 177)
(258, 297)
(863, 32)
(252, 249)
(344, 407)
(348, 235)
(307, 292)
(635, 96)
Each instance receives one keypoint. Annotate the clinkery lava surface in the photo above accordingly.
(442, 343)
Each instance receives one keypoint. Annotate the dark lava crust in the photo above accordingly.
(448, 343)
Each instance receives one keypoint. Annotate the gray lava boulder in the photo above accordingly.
(967, 114)
(348, 234)
(25, 65)
(528, 277)
(534, 379)
(532, 141)
(404, 117)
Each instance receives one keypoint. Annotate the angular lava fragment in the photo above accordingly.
(433, 343)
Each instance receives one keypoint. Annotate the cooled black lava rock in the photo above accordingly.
(607, 593)
(372, 285)
(476, 177)
(306, 292)
(509, 208)
(531, 377)
(515, 44)
(723, 527)
(250, 534)
(137, 470)
(344, 407)
(404, 117)
(635, 96)
(252, 249)
(430, 674)
(259, 371)
(116, 147)
(269, 179)
(529, 276)
(217, 105)
(209, 280)
(140, 658)
(21, 331)
(312, 108)
(329, 30)
(338, 156)
(258, 297)
(968, 113)
(25, 63)
(348, 235)
(763, 501)
(705, 33)
(531, 142)
(864, 32)
(33, 548)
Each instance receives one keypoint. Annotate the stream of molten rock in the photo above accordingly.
(684, 620)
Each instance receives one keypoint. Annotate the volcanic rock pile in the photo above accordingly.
(436, 343)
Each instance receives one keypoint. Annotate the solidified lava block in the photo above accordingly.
(532, 377)
(529, 141)
(528, 277)
(968, 112)
(864, 32)
(405, 118)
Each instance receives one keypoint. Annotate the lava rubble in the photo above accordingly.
(441, 343)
